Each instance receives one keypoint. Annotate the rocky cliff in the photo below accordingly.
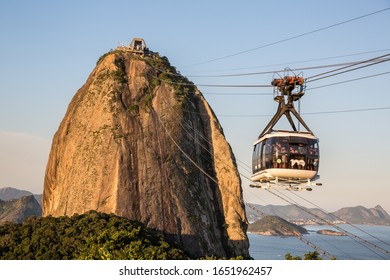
(139, 140)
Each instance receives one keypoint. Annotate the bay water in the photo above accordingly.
(341, 247)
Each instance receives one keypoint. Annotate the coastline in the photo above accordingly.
(342, 247)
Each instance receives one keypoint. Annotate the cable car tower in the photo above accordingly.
(289, 159)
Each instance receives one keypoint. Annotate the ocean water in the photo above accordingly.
(341, 247)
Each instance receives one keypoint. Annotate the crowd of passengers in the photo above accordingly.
(297, 158)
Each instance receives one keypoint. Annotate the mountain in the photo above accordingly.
(9, 193)
(362, 215)
(274, 225)
(12, 193)
(290, 213)
(140, 141)
(353, 215)
(17, 210)
(38, 197)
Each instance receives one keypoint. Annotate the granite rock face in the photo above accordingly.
(139, 140)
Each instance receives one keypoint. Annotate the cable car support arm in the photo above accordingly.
(285, 97)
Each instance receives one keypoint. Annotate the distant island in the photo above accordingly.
(275, 226)
(331, 232)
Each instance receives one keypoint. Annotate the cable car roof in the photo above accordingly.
(285, 133)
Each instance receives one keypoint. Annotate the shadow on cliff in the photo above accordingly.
(190, 241)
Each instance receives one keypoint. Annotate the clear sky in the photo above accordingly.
(48, 49)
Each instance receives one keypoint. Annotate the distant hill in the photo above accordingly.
(17, 210)
(353, 215)
(274, 225)
(12, 193)
(9, 193)
(360, 214)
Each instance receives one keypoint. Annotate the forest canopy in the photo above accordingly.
(90, 236)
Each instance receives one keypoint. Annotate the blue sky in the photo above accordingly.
(48, 48)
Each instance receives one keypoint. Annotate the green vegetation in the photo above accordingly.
(163, 73)
(215, 258)
(133, 110)
(167, 73)
(104, 55)
(88, 236)
(275, 225)
(120, 73)
(308, 256)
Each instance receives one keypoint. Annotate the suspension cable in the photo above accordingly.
(351, 80)
(337, 217)
(312, 245)
(215, 181)
(311, 113)
(288, 39)
(372, 61)
(351, 235)
(211, 85)
(292, 62)
(185, 154)
(358, 239)
(307, 242)
(347, 64)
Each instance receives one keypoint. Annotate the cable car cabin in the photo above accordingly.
(291, 157)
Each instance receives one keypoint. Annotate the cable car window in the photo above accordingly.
(262, 156)
(258, 155)
(313, 155)
(267, 155)
(294, 149)
(298, 140)
(302, 149)
(255, 157)
(276, 154)
(312, 164)
(284, 153)
(298, 153)
(313, 147)
(279, 149)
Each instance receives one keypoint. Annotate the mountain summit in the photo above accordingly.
(140, 141)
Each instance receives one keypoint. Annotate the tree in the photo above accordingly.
(308, 256)
(88, 236)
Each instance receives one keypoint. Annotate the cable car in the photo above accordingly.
(286, 158)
